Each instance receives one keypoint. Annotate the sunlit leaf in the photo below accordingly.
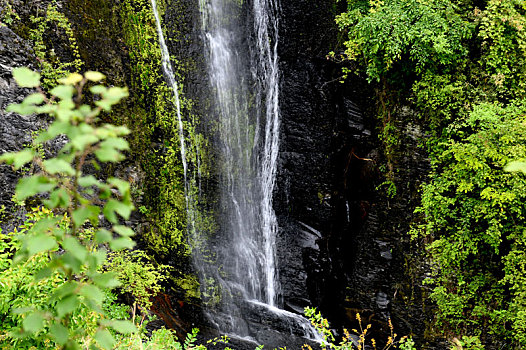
(94, 76)
(64, 92)
(58, 166)
(123, 230)
(105, 339)
(122, 326)
(122, 243)
(30, 186)
(33, 322)
(106, 280)
(25, 77)
(71, 79)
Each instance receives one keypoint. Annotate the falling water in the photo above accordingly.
(170, 76)
(244, 76)
(249, 164)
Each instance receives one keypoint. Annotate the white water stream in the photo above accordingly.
(170, 76)
(244, 78)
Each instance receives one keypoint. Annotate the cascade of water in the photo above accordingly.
(244, 76)
(170, 76)
(249, 164)
(266, 28)
(228, 78)
(245, 82)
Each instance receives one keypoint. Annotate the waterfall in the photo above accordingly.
(246, 91)
(238, 267)
(265, 15)
(244, 78)
(170, 76)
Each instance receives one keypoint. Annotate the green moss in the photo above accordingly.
(190, 284)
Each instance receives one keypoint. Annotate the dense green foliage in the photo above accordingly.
(460, 65)
(72, 280)
(59, 267)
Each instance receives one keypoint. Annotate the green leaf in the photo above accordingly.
(59, 333)
(82, 214)
(30, 186)
(71, 261)
(87, 181)
(33, 322)
(122, 186)
(34, 99)
(96, 259)
(98, 89)
(23, 157)
(64, 92)
(46, 109)
(115, 142)
(40, 243)
(103, 236)
(104, 104)
(108, 155)
(123, 230)
(64, 290)
(94, 76)
(67, 305)
(72, 245)
(58, 166)
(122, 243)
(106, 280)
(85, 110)
(22, 109)
(92, 292)
(516, 166)
(25, 77)
(58, 128)
(105, 339)
(44, 225)
(58, 198)
(123, 326)
(115, 94)
(113, 206)
(81, 141)
(72, 345)
(18, 159)
(43, 273)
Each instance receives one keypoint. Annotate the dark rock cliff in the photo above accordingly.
(343, 245)
(15, 131)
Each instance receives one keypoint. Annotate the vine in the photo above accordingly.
(52, 68)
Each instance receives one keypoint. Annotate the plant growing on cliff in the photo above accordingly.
(74, 201)
(462, 68)
(137, 274)
(356, 341)
(52, 68)
(476, 224)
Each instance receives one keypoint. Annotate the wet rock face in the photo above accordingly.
(342, 244)
(324, 133)
(15, 130)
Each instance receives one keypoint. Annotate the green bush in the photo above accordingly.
(53, 250)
